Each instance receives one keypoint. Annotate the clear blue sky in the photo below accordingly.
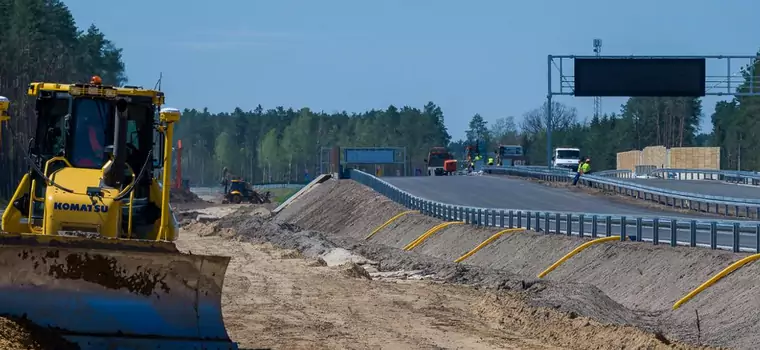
(486, 57)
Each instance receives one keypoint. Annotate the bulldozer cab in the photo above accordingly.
(106, 139)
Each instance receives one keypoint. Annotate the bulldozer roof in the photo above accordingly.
(96, 90)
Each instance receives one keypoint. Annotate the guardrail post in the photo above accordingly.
(511, 219)
(693, 233)
(519, 219)
(608, 222)
(639, 225)
(527, 219)
(547, 222)
(713, 235)
(581, 224)
(557, 223)
(655, 231)
(673, 233)
(594, 226)
(757, 238)
(501, 218)
(467, 216)
(623, 228)
(480, 217)
(538, 222)
(736, 237)
(569, 224)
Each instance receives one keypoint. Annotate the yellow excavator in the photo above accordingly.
(87, 244)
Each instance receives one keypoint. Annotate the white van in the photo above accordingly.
(566, 158)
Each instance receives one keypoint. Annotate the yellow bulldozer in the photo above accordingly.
(87, 243)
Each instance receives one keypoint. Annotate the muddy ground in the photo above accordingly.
(619, 282)
(289, 288)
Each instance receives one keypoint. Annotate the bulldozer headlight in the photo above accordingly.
(110, 93)
(169, 114)
(75, 91)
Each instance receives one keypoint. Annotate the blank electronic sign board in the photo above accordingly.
(640, 77)
(369, 155)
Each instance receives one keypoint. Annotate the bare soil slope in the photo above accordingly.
(319, 295)
(633, 283)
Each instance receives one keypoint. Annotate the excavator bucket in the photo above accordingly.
(114, 294)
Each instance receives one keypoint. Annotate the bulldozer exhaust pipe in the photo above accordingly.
(103, 294)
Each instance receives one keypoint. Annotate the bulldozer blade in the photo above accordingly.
(114, 294)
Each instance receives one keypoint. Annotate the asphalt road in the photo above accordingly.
(505, 193)
(500, 192)
(707, 187)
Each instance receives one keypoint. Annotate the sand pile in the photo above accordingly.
(182, 195)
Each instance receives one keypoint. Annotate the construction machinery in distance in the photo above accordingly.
(240, 191)
(440, 162)
(87, 244)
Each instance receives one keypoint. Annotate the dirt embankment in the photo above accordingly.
(340, 298)
(619, 282)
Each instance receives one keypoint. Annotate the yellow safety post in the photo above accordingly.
(389, 222)
(487, 242)
(406, 247)
(576, 251)
(716, 278)
(430, 232)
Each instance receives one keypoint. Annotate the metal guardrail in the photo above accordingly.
(732, 176)
(727, 206)
(736, 235)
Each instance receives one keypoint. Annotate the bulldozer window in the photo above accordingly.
(50, 125)
(91, 120)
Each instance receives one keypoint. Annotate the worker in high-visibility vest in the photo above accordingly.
(584, 167)
(490, 161)
(578, 171)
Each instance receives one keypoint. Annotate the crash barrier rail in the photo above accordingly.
(727, 206)
(732, 176)
(736, 235)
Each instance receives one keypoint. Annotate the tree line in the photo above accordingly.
(41, 42)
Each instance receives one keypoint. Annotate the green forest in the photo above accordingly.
(41, 41)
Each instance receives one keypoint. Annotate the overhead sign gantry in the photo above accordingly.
(647, 76)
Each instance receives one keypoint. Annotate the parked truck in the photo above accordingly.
(567, 158)
(440, 162)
